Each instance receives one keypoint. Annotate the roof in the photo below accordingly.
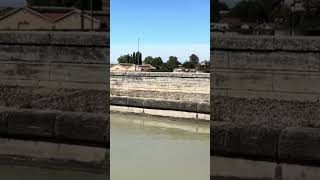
(49, 14)
(27, 9)
(124, 65)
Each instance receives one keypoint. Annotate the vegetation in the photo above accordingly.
(171, 64)
(135, 58)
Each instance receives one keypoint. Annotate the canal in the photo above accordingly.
(158, 148)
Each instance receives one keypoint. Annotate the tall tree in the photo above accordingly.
(148, 60)
(172, 63)
(138, 58)
(194, 60)
(157, 62)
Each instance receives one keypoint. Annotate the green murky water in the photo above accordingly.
(147, 147)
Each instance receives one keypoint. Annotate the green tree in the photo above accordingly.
(124, 59)
(205, 66)
(187, 65)
(194, 60)
(172, 63)
(164, 68)
(138, 58)
(148, 60)
(157, 62)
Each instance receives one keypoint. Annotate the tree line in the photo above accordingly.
(168, 66)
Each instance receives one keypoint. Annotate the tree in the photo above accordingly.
(148, 60)
(187, 65)
(205, 66)
(164, 68)
(124, 59)
(157, 62)
(138, 58)
(172, 63)
(194, 60)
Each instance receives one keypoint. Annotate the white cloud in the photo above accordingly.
(182, 51)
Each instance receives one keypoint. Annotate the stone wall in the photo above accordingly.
(173, 86)
(54, 71)
(271, 81)
(161, 90)
(265, 99)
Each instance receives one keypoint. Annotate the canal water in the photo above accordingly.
(157, 148)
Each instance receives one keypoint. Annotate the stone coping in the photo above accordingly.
(297, 145)
(89, 129)
(161, 74)
(164, 104)
(265, 43)
(90, 39)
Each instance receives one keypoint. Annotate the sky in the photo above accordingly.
(165, 28)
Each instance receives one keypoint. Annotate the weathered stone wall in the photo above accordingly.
(271, 81)
(46, 70)
(265, 100)
(64, 71)
(171, 86)
(159, 90)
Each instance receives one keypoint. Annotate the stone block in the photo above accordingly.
(203, 108)
(29, 123)
(82, 127)
(189, 106)
(172, 105)
(119, 100)
(3, 120)
(300, 145)
(243, 80)
(153, 103)
(299, 83)
(135, 102)
(75, 73)
(252, 142)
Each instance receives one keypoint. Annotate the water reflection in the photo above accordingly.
(147, 147)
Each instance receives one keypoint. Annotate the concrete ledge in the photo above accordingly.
(163, 113)
(54, 155)
(55, 38)
(264, 43)
(296, 145)
(90, 129)
(161, 104)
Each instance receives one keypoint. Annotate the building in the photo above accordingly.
(123, 67)
(181, 69)
(147, 68)
(47, 18)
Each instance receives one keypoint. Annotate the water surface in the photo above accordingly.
(148, 147)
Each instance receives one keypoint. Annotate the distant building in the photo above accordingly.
(181, 69)
(48, 18)
(122, 67)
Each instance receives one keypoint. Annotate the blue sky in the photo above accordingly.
(165, 28)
